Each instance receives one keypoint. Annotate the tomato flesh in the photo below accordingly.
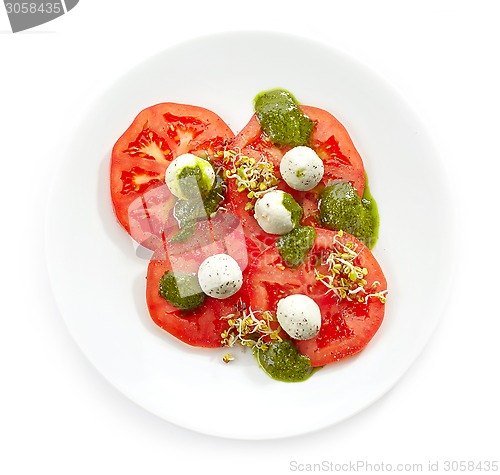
(347, 326)
(141, 200)
(201, 326)
(143, 205)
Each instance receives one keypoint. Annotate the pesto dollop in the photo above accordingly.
(283, 362)
(281, 119)
(293, 207)
(188, 212)
(295, 245)
(193, 182)
(182, 290)
(215, 195)
(342, 209)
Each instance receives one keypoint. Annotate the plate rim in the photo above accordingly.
(281, 36)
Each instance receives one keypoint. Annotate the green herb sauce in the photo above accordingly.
(215, 195)
(370, 204)
(295, 245)
(281, 119)
(182, 290)
(283, 362)
(188, 212)
(193, 182)
(341, 208)
(295, 209)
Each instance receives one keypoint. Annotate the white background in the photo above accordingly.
(58, 416)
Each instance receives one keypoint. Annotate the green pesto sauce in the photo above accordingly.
(193, 182)
(186, 231)
(341, 208)
(188, 212)
(295, 245)
(281, 119)
(215, 195)
(370, 204)
(295, 209)
(283, 362)
(182, 290)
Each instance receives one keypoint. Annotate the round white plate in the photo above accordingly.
(98, 274)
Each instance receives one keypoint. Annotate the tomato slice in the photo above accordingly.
(332, 143)
(141, 200)
(347, 326)
(202, 326)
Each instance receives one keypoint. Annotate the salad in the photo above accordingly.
(262, 239)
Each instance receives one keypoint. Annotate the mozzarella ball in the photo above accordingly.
(220, 276)
(272, 215)
(301, 168)
(189, 176)
(299, 316)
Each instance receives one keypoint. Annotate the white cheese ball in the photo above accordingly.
(220, 276)
(173, 172)
(272, 215)
(301, 168)
(299, 316)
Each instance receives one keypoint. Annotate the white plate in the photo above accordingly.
(98, 275)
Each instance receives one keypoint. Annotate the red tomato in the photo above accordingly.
(252, 229)
(346, 327)
(331, 142)
(203, 325)
(141, 200)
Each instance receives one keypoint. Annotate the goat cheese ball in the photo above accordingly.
(301, 168)
(299, 316)
(277, 212)
(220, 276)
(189, 176)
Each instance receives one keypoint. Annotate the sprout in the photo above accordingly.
(247, 329)
(345, 279)
(256, 177)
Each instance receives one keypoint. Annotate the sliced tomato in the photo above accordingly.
(141, 200)
(346, 326)
(202, 326)
(333, 145)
